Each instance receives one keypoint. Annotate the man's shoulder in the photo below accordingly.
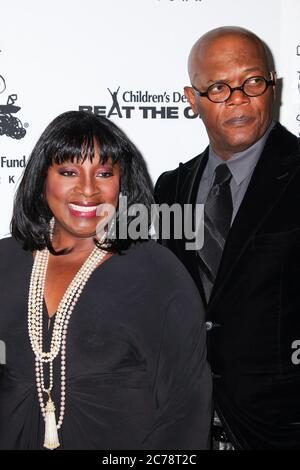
(166, 184)
(283, 139)
(182, 166)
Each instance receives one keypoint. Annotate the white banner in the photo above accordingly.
(125, 59)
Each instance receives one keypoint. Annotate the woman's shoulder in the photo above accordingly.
(154, 269)
(9, 242)
(6, 242)
(158, 262)
(10, 250)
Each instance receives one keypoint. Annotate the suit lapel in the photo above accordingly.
(189, 179)
(270, 177)
(187, 190)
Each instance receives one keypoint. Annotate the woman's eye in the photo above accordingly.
(105, 174)
(67, 173)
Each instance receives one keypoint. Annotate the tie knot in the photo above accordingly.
(222, 174)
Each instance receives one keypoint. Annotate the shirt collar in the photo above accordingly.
(241, 164)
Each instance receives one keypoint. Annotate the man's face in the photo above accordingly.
(238, 123)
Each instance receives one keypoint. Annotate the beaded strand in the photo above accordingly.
(61, 322)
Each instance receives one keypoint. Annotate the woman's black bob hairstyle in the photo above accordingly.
(72, 136)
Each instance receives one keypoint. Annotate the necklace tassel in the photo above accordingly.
(51, 436)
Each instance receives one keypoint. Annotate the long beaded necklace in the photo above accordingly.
(59, 334)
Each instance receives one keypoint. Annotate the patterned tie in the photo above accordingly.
(217, 220)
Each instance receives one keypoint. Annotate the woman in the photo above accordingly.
(109, 353)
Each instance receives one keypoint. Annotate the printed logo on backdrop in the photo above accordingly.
(145, 104)
(10, 125)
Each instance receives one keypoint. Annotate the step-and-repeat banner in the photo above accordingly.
(125, 59)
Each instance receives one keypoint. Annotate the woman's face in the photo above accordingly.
(74, 192)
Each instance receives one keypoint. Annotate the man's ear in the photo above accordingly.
(190, 96)
(274, 78)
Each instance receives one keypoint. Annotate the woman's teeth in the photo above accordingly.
(83, 208)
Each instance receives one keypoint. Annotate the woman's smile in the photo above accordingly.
(84, 210)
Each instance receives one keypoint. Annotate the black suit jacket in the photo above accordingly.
(254, 309)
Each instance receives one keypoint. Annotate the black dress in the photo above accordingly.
(136, 370)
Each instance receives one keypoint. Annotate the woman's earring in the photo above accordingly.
(51, 225)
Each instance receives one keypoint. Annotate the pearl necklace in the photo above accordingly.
(59, 334)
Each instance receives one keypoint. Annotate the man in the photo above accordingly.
(248, 270)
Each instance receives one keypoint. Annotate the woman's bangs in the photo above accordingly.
(86, 148)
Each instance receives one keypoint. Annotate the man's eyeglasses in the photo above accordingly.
(219, 92)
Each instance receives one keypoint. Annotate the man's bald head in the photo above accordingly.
(206, 45)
